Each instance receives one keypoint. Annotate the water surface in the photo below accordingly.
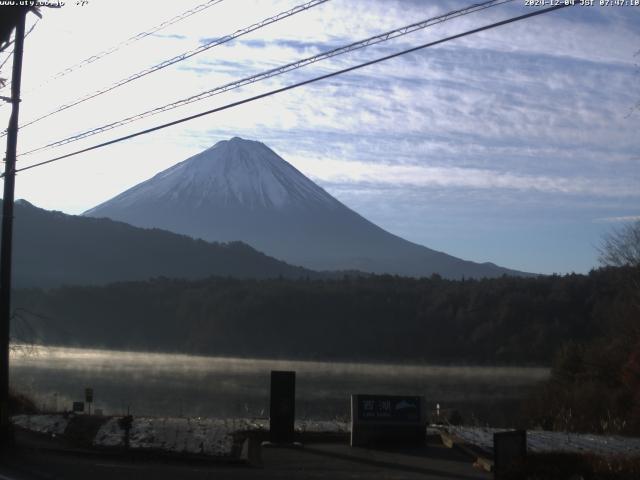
(188, 385)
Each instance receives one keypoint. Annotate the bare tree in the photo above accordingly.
(621, 246)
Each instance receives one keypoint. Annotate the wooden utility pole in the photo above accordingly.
(6, 434)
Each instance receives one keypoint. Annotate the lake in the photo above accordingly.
(186, 385)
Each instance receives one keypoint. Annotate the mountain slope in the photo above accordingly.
(52, 249)
(242, 190)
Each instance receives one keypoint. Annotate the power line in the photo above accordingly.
(23, 329)
(49, 322)
(129, 41)
(296, 85)
(9, 55)
(32, 27)
(11, 52)
(383, 37)
(5, 61)
(181, 57)
(7, 45)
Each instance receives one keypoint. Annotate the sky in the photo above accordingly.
(517, 145)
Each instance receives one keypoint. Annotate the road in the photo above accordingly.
(314, 461)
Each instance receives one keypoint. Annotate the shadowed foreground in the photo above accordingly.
(39, 457)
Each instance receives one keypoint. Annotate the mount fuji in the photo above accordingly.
(242, 190)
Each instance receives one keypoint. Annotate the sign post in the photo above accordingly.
(88, 398)
(282, 406)
(509, 453)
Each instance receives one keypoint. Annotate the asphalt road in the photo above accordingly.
(314, 461)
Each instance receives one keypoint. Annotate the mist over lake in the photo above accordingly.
(187, 385)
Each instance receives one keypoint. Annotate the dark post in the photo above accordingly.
(509, 453)
(88, 397)
(282, 408)
(7, 233)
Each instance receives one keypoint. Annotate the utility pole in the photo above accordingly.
(6, 434)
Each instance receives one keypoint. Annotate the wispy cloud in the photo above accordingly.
(622, 219)
(356, 172)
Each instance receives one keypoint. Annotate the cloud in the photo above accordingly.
(625, 218)
(376, 174)
(174, 36)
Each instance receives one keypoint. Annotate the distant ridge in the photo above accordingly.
(242, 190)
(53, 249)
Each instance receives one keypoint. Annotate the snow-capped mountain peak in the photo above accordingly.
(232, 172)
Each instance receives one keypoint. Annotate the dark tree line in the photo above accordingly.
(507, 320)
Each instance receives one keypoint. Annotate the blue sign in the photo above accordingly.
(390, 408)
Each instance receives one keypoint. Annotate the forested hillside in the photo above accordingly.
(53, 249)
(493, 321)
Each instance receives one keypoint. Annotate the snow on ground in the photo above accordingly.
(110, 434)
(52, 424)
(213, 436)
(205, 436)
(208, 436)
(322, 426)
(544, 441)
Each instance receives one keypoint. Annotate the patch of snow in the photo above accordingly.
(110, 434)
(540, 441)
(322, 426)
(185, 435)
(51, 424)
(208, 436)
(233, 171)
